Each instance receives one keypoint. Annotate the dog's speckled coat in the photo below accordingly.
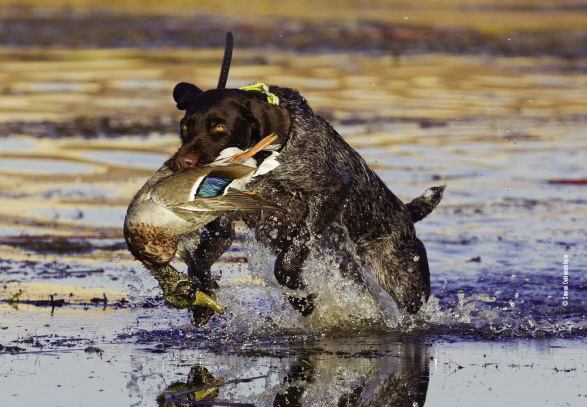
(326, 188)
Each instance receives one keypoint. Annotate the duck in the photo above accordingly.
(172, 205)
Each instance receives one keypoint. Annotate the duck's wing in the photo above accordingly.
(145, 190)
(177, 187)
(233, 200)
(230, 171)
(183, 186)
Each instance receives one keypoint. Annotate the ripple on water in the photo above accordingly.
(44, 166)
(135, 159)
(16, 144)
(99, 215)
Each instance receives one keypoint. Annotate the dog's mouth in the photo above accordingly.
(207, 149)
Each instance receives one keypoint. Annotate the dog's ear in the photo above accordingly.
(184, 93)
(271, 119)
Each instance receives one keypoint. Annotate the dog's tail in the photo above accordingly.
(421, 206)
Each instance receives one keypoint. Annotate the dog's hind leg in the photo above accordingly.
(401, 270)
(288, 270)
(291, 254)
(337, 242)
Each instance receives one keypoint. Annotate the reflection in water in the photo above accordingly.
(336, 374)
(200, 385)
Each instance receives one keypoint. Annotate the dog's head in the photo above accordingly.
(219, 118)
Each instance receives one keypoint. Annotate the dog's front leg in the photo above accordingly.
(324, 209)
(214, 239)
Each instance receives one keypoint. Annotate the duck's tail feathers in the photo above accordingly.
(423, 205)
(232, 200)
(248, 201)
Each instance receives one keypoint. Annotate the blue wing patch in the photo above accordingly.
(213, 186)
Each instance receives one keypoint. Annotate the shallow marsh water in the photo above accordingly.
(82, 130)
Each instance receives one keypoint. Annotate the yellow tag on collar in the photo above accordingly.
(261, 87)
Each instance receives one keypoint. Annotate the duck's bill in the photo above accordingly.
(204, 300)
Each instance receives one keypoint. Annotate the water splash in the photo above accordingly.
(257, 304)
(258, 308)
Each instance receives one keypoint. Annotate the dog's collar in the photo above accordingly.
(263, 88)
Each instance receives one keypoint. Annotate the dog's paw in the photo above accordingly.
(304, 305)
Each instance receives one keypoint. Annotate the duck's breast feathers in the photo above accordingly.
(151, 231)
(150, 243)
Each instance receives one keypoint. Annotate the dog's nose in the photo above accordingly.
(187, 160)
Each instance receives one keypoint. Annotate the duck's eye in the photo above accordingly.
(219, 128)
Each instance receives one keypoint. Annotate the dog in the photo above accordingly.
(328, 193)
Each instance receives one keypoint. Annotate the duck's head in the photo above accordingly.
(155, 248)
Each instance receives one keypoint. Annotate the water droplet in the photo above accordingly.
(461, 297)
(512, 303)
(528, 323)
(416, 258)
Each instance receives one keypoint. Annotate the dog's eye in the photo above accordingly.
(219, 128)
(184, 127)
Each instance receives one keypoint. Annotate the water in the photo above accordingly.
(494, 331)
